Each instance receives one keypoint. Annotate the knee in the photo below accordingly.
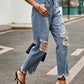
(64, 39)
(43, 45)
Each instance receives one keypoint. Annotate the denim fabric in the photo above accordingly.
(41, 26)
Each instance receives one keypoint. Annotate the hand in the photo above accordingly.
(42, 10)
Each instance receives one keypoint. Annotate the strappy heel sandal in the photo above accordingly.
(18, 80)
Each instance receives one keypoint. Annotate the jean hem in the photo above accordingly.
(59, 76)
(31, 73)
(23, 71)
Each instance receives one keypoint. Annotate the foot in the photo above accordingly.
(20, 77)
(61, 80)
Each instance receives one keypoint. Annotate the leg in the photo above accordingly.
(61, 39)
(20, 77)
(60, 36)
(40, 27)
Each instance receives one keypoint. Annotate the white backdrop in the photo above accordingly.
(17, 11)
(14, 11)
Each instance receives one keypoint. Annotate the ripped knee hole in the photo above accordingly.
(63, 34)
(43, 46)
(65, 41)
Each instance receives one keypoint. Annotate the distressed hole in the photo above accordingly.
(65, 42)
(63, 35)
(43, 46)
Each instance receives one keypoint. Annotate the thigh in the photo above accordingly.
(57, 21)
(58, 24)
(58, 29)
(40, 26)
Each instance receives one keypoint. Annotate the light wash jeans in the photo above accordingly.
(41, 26)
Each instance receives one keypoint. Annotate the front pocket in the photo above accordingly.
(47, 6)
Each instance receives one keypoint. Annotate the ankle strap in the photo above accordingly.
(61, 79)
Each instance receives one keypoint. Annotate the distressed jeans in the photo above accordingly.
(41, 26)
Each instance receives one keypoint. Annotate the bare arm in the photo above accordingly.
(33, 3)
(41, 8)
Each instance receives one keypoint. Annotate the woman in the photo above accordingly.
(46, 16)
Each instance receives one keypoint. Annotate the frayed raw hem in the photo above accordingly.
(30, 73)
(23, 71)
(59, 76)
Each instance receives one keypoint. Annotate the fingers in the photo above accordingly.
(42, 10)
(47, 11)
(45, 8)
(45, 14)
(43, 5)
